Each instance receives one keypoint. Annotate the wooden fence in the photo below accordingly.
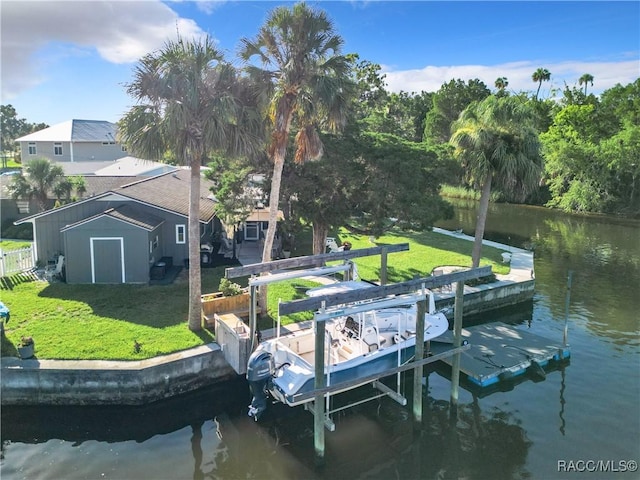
(16, 261)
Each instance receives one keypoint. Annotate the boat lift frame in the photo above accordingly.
(325, 301)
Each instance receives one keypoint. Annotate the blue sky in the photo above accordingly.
(71, 59)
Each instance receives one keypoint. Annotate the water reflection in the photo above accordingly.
(604, 253)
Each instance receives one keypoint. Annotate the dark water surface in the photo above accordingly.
(582, 421)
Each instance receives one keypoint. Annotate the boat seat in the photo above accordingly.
(371, 337)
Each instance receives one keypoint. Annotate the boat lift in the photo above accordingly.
(322, 303)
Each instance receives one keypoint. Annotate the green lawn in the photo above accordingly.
(104, 322)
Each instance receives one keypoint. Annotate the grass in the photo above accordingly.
(8, 245)
(105, 322)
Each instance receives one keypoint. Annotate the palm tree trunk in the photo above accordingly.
(274, 196)
(481, 219)
(195, 281)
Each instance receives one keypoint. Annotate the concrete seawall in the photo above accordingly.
(100, 382)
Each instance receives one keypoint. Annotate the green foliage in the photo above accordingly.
(18, 232)
(591, 154)
(496, 139)
(448, 102)
(229, 288)
(365, 178)
(39, 177)
(236, 199)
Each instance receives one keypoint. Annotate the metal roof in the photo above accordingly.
(75, 131)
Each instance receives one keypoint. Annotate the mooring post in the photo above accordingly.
(566, 309)
(318, 403)
(383, 265)
(419, 355)
(457, 342)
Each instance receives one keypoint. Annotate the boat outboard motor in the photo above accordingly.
(259, 372)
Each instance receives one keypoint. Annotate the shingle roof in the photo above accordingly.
(96, 185)
(170, 191)
(125, 213)
(75, 131)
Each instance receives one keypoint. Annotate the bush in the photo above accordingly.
(228, 288)
(17, 232)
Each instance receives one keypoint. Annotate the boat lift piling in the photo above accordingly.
(419, 355)
(457, 342)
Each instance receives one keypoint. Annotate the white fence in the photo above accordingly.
(15, 261)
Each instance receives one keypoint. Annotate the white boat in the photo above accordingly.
(361, 340)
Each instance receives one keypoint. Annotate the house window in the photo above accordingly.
(108, 143)
(123, 148)
(32, 148)
(57, 149)
(155, 242)
(181, 234)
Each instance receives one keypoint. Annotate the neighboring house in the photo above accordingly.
(118, 235)
(73, 141)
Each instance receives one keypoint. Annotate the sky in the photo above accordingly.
(66, 59)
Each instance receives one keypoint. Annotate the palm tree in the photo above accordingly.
(497, 143)
(306, 81)
(40, 177)
(501, 83)
(189, 100)
(540, 75)
(585, 79)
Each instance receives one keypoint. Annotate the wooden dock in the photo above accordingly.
(500, 353)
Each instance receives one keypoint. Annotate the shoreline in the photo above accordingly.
(109, 382)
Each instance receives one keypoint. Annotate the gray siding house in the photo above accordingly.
(117, 236)
(73, 141)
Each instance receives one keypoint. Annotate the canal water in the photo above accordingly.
(582, 421)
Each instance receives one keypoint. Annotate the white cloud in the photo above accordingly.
(431, 78)
(119, 31)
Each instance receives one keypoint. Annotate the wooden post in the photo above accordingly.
(457, 341)
(253, 321)
(383, 265)
(419, 355)
(318, 403)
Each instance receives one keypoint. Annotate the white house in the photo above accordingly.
(73, 141)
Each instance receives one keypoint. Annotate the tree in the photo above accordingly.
(497, 143)
(451, 99)
(501, 84)
(540, 75)
(38, 178)
(191, 101)
(584, 80)
(306, 80)
(368, 182)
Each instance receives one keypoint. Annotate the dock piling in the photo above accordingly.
(419, 355)
(457, 342)
(319, 384)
